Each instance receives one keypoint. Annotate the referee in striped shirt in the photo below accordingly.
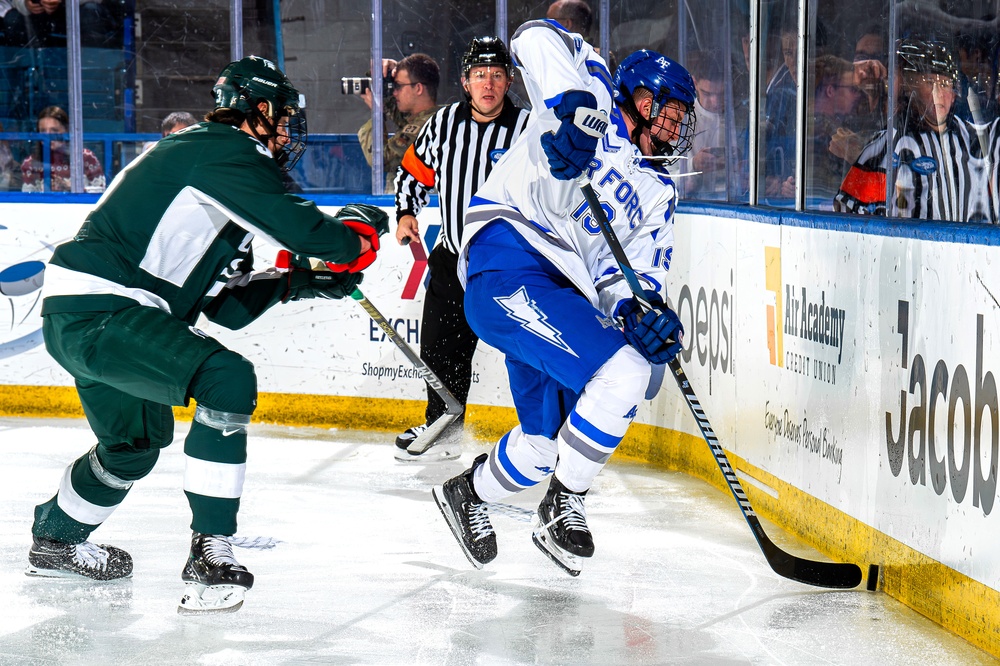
(453, 154)
(942, 162)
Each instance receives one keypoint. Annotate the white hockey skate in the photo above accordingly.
(447, 446)
(201, 599)
(438, 452)
(214, 582)
(560, 528)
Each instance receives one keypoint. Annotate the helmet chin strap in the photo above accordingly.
(258, 118)
(639, 122)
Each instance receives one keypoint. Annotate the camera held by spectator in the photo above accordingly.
(359, 85)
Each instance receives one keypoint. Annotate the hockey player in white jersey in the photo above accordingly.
(543, 287)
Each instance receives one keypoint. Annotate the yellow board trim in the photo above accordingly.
(947, 597)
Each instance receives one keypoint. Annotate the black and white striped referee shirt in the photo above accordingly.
(454, 154)
(939, 175)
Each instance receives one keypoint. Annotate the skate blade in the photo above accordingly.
(202, 599)
(456, 530)
(437, 453)
(36, 572)
(61, 574)
(568, 562)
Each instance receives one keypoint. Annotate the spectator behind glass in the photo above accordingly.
(175, 121)
(47, 19)
(13, 26)
(10, 171)
(835, 101)
(574, 15)
(54, 120)
(708, 149)
(871, 77)
(415, 81)
(975, 50)
(779, 114)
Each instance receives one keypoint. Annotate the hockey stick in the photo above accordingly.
(453, 408)
(821, 574)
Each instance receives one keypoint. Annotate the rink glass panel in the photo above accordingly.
(159, 57)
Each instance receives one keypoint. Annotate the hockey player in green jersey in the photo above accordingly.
(171, 240)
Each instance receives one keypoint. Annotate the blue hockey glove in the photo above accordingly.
(311, 278)
(570, 149)
(657, 334)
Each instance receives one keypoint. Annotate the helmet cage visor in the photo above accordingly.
(671, 129)
(288, 131)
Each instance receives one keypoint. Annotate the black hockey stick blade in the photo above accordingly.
(838, 575)
(453, 408)
(835, 575)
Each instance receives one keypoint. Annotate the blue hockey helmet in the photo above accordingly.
(666, 80)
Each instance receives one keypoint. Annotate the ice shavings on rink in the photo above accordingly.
(368, 573)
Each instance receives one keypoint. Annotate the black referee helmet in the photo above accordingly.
(926, 57)
(486, 51)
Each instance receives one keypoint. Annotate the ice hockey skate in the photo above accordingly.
(561, 530)
(446, 447)
(467, 517)
(53, 559)
(214, 581)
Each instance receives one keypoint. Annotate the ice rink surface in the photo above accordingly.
(368, 573)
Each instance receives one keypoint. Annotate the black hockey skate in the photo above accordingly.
(53, 559)
(467, 517)
(214, 581)
(561, 529)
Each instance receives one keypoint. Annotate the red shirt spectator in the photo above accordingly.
(54, 120)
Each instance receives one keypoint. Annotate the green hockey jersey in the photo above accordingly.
(174, 231)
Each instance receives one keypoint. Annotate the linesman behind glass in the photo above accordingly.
(940, 162)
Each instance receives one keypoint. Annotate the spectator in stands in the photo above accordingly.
(47, 19)
(977, 62)
(13, 28)
(10, 171)
(54, 120)
(574, 15)
(779, 111)
(779, 114)
(708, 149)
(871, 77)
(871, 55)
(834, 103)
(415, 81)
(175, 121)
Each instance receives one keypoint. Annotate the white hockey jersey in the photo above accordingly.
(638, 197)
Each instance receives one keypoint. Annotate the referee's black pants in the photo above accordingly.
(447, 344)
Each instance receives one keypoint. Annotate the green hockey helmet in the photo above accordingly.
(245, 83)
